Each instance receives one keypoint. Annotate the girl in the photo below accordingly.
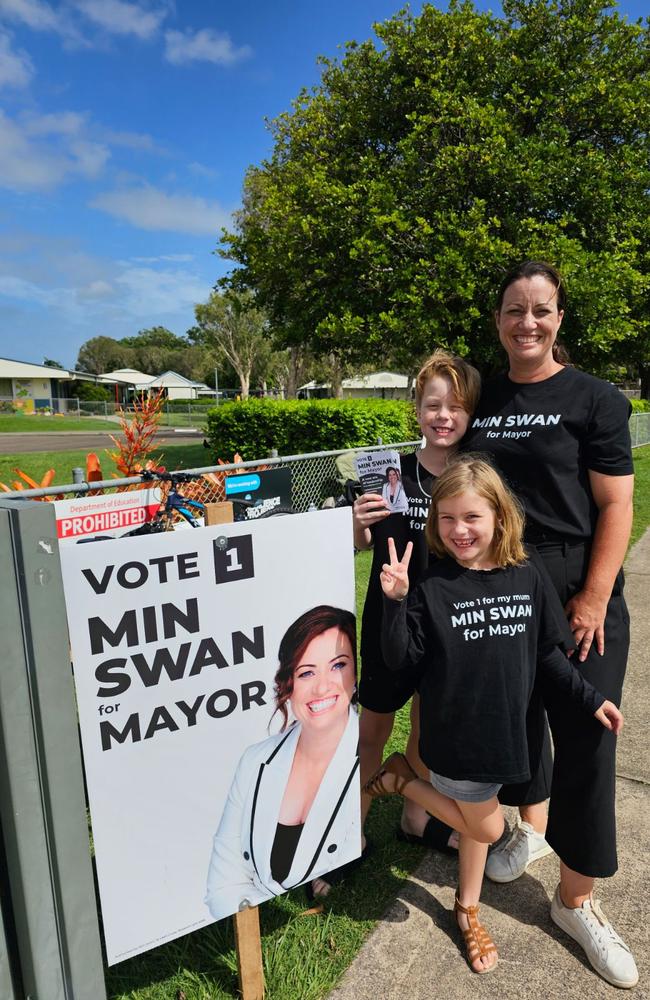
(446, 395)
(480, 619)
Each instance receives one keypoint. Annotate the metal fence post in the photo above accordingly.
(42, 803)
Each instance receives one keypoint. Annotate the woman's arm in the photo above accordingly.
(587, 609)
(229, 878)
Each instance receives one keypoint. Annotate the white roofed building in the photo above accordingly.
(377, 385)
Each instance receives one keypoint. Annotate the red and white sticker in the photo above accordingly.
(112, 515)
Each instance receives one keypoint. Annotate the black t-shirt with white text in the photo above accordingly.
(403, 528)
(479, 638)
(545, 437)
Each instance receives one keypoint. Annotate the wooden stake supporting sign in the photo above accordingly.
(249, 953)
(248, 941)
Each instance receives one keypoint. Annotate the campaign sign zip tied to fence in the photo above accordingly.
(113, 515)
(175, 640)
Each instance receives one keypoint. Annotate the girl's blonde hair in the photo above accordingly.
(473, 472)
(465, 380)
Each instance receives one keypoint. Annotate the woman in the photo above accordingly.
(393, 492)
(560, 437)
(292, 812)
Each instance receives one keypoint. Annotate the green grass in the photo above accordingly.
(304, 956)
(641, 492)
(36, 463)
(17, 423)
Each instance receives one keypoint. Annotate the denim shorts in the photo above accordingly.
(464, 791)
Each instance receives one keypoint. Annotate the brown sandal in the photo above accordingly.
(478, 943)
(396, 764)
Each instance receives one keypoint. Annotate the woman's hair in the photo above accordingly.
(473, 472)
(295, 640)
(465, 380)
(530, 269)
(391, 468)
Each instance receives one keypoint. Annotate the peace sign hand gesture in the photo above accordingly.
(394, 575)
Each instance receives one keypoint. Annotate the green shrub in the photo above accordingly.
(255, 426)
(89, 392)
(640, 405)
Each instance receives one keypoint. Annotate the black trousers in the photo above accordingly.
(582, 820)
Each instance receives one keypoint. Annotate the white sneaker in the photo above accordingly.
(511, 859)
(606, 951)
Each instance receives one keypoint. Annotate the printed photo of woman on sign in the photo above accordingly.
(393, 491)
(292, 813)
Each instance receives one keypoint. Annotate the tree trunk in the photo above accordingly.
(644, 375)
(336, 377)
(293, 372)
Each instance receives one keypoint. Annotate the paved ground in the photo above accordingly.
(413, 954)
(16, 444)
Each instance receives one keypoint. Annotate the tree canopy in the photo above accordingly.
(233, 328)
(400, 190)
(152, 351)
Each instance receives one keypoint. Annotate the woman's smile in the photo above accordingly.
(324, 680)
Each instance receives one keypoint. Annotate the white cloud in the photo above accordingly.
(91, 157)
(151, 293)
(148, 208)
(204, 45)
(135, 292)
(35, 14)
(132, 140)
(58, 123)
(200, 170)
(41, 16)
(174, 258)
(16, 68)
(96, 290)
(27, 164)
(121, 18)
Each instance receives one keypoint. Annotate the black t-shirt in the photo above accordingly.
(479, 637)
(403, 528)
(545, 437)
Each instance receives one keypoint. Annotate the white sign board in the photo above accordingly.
(175, 641)
(113, 515)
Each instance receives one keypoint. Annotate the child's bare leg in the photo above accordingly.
(536, 815)
(471, 864)
(414, 817)
(374, 731)
(483, 821)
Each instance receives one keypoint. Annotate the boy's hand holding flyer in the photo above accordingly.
(380, 472)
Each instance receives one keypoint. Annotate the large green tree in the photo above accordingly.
(401, 188)
(233, 328)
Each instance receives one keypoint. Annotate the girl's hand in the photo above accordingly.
(369, 509)
(610, 717)
(394, 575)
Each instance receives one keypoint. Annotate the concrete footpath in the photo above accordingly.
(414, 954)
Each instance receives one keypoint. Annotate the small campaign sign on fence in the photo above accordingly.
(214, 669)
(113, 515)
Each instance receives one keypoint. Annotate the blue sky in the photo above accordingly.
(125, 132)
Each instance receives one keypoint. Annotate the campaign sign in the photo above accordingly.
(264, 490)
(113, 515)
(175, 643)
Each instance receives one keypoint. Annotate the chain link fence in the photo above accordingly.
(314, 477)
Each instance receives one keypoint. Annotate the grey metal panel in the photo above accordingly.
(41, 783)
